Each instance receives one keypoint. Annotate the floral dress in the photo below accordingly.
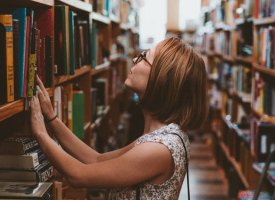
(170, 189)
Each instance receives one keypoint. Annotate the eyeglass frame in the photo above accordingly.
(140, 57)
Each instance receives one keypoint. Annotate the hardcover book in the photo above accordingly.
(26, 190)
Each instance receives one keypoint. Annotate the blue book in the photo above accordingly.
(20, 14)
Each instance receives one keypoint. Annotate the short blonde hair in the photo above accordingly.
(177, 87)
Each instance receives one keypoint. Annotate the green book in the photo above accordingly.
(78, 113)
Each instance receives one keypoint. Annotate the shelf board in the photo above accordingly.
(227, 58)
(224, 27)
(264, 21)
(235, 164)
(241, 21)
(124, 26)
(115, 57)
(264, 70)
(246, 60)
(48, 3)
(100, 68)
(10, 109)
(100, 18)
(77, 4)
(78, 72)
(114, 19)
(263, 116)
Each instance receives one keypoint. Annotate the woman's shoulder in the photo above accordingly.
(168, 135)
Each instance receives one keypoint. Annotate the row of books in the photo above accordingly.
(72, 42)
(266, 47)
(264, 8)
(69, 107)
(100, 53)
(263, 95)
(102, 6)
(224, 42)
(25, 48)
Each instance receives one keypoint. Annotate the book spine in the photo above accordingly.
(6, 20)
(32, 62)
(16, 58)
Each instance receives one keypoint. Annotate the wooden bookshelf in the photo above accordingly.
(28, 3)
(241, 21)
(115, 57)
(112, 71)
(224, 27)
(235, 164)
(100, 68)
(77, 5)
(264, 70)
(10, 109)
(100, 18)
(114, 19)
(263, 116)
(228, 58)
(245, 60)
(78, 72)
(264, 21)
(125, 27)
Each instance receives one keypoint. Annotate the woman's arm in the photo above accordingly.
(141, 163)
(72, 144)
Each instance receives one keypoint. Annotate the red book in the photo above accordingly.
(44, 21)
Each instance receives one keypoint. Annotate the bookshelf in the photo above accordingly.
(95, 70)
(239, 54)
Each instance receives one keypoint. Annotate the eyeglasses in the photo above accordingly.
(141, 56)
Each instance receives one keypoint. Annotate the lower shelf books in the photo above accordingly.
(26, 190)
(42, 173)
(248, 195)
(259, 167)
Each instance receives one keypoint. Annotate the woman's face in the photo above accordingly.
(139, 74)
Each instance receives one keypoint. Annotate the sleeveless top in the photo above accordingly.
(170, 189)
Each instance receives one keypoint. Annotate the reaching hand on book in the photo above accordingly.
(37, 119)
(45, 101)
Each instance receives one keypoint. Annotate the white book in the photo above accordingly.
(27, 161)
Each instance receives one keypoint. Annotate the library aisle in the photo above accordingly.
(207, 180)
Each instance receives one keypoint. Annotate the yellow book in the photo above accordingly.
(6, 20)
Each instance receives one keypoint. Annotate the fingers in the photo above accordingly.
(41, 85)
(35, 105)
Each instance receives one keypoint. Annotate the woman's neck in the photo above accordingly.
(150, 123)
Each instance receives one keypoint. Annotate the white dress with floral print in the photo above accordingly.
(170, 189)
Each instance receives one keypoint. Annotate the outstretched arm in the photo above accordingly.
(72, 144)
(141, 163)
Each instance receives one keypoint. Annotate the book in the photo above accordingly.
(78, 113)
(18, 145)
(62, 39)
(41, 173)
(16, 58)
(28, 161)
(20, 14)
(31, 87)
(26, 190)
(3, 57)
(6, 20)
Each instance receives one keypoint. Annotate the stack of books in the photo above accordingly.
(23, 167)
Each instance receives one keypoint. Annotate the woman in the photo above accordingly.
(170, 80)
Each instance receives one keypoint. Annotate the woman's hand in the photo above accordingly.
(37, 119)
(45, 101)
